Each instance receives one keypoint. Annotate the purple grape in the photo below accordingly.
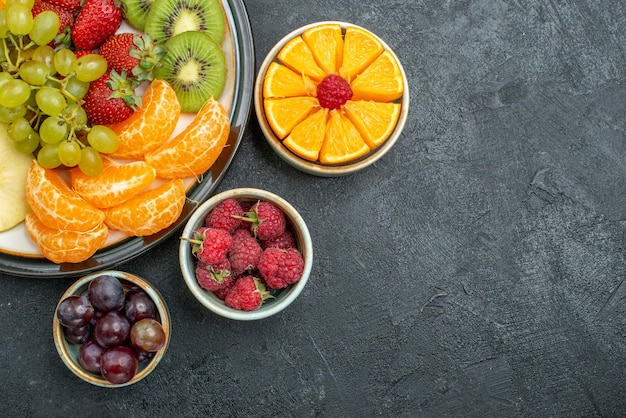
(111, 330)
(139, 305)
(106, 293)
(119, 365)
(89, 356)
(74, 311)
(147, 335)
(78, 335)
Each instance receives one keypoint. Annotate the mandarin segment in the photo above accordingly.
(360, 49)
(326, 43)
(151, 125)
(196, 148)
(343, 142)
(280, 81)
(150, 211)
(115, 184)
(56, 205)
(375, 121)
(284, 114)
(297, 55)
(65, 246)
(381, 81)
(305, 140)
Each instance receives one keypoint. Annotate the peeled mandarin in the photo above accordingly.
(374, 120)
(195, 149)
(343, 142)
(326, 43)
(151, 125)
(56, 205)
(284, 114)
(297, 55)
(280, 81)
(150, 211)
(65, 246)
(360, 49)
(305, 140)
(381, 81)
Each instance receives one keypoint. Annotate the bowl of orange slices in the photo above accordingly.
(331, 98)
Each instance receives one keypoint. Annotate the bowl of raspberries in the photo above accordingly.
(246, 254)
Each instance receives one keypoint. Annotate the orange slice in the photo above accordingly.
(115, 184)
(305, 140)
(381, 81)
(280, 81)
(360, 49)
(65, 246)
(374, 120)
(297, 55)
(326, 43)
(343, 142)
(56, 205)
(151, 125)
(284, 114)
(195, 149)
(150, 211)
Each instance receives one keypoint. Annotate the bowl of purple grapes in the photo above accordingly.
(111, 328)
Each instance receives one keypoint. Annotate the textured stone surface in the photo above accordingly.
(477, 270)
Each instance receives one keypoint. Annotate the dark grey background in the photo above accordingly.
(476, 270)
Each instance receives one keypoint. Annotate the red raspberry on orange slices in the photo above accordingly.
(333, 92)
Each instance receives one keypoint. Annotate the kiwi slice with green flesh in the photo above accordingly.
(168, 18)
(135, 12)
(195, 67)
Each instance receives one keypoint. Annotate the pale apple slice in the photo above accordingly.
(13, 168)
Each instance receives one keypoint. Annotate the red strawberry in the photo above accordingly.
(96, 21)
(110, 99)
(225, 215)
(268, 220)
(66, 19)
(136, 54)
(279, 268)
(70, 5)
(82, 53)
(247, 294)
(333, 92)
(244, 252)
(213, 277)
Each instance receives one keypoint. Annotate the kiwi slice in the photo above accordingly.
(195, 67)
(135, 12)
(168, 18)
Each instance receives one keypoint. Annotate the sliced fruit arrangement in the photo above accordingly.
(333, 94)
(82, 151)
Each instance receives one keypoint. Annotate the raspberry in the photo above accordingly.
(223, 215)
(333, 92)
(213, 277)
(211, 244)
(279, 268)
(247, 294)
(284, 241)
(268, 221)
(244, 252)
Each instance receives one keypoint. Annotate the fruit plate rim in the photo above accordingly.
(129, 248)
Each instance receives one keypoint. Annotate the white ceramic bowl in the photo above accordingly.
(283, 297)
(69, 352)
(317, 168)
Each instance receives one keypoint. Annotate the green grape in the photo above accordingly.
(19, 19)
(53, 130)
(4, 77)
(103, 139)
(45, 54)
(45, 27)
(34, 72)
(76, 88)
(90, 162)
(3, 24)
(28, 3)
(50, 101)
(69, 153)
(48, 156)
(29, 145)
(14, 93)
(19, 130)
(10, 114)
(64, 61)
(76, 114)
(90, 67)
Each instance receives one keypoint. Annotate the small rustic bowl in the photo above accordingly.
(283, 297)
(317, 168)
(69, 351)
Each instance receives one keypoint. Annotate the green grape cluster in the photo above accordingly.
(41, 92)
